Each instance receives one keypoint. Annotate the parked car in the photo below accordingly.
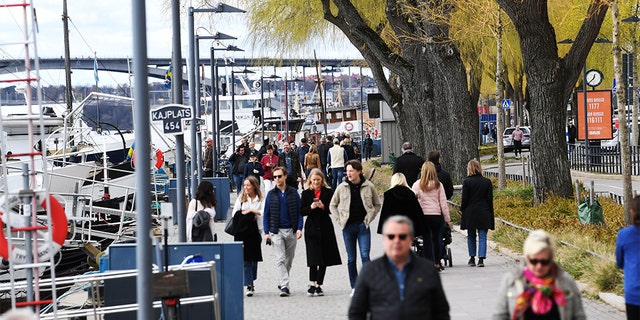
(526, 138)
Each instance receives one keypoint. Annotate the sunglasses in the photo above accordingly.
(544, 262)
(402, 236)
(278, 176)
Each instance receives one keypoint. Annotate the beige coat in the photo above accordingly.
(341, 201)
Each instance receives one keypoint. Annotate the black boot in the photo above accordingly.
(472, 262)
(481, 262)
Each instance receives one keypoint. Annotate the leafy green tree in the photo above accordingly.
(427, 86)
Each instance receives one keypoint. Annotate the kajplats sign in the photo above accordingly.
(599, 115)
(171, 116)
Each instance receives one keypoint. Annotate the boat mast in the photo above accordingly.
(67, 57)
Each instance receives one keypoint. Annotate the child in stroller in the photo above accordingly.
(418, 245)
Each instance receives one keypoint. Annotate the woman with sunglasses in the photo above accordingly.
(319, 236)
(540, 290)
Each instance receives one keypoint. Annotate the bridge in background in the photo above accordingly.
(158, 66)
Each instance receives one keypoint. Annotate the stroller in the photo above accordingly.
(418, 247)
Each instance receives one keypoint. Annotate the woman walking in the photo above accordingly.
(269, 161)
(400, 200)
(433, 201)
(477, 211)
(311, 160)
(246, 214)
(540, 290)
(319, 237)
(205, 200)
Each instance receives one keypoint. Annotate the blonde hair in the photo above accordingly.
(244, 197)
(429, 177)
(316, 172)
(537, 241)
(474, 167)
(313, 149)
(398, 179)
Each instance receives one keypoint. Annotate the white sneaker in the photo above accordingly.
(351, 294)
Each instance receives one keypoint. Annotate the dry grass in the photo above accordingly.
(558, 216)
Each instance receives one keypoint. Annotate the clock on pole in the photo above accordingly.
(594, 78)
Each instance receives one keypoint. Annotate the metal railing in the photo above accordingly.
(602, 159)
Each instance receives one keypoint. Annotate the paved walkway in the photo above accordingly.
(471, 292)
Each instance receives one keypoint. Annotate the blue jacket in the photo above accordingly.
(628, 259)
(275, 212)
(250, 166)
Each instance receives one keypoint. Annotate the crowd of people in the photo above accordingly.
(334, 188)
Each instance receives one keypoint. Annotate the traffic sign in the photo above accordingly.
(506, 104)
(171, 116)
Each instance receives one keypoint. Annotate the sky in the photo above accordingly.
(103, 28)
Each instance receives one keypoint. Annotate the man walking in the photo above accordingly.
(443, 176)
(516, 137)
(399, 285)
(207, 158)
(288, 159)
(336, 158)
(368, 147)
(355, 204)
(408, 163)
(238, 160)
(323, 149)
(282, 225)
(302, 150)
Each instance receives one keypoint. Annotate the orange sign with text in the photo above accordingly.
(599, 115)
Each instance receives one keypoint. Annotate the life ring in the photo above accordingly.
(348, 126)
(156, 156)
(45, 250)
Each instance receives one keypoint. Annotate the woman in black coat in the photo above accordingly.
(400, 199)
(477, 211)
(319, 236)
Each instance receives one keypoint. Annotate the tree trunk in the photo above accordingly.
(437, 112)
(549, 83)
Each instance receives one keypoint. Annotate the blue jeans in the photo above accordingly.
(238, 179)
(356, 233)
(250, 272)
(336, 176)
(482, 242)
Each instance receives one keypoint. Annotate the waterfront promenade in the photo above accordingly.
(471, 292)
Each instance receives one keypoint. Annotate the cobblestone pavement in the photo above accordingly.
(471, 292)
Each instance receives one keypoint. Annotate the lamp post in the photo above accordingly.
(584, 96)
(271, 77)
(233, 104)
(361, 112)
(216, 36)
(215, 128)
(192, 66)
(634, 49)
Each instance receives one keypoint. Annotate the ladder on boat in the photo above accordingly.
(27, 244)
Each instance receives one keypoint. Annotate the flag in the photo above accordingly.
(169, 74)
(95, 68)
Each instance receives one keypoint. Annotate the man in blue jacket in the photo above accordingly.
(399, 285)
(282, 225)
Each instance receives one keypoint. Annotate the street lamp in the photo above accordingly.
(634, 48)
(216, 36)
(271, 77)
(233, 104)
(216, 103)
(584, 96)
(192, 66)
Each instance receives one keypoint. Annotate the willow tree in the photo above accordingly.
(426, 83)
(550, 80)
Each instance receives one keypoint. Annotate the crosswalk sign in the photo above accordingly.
(506, 104)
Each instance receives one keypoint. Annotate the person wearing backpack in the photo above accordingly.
(200, 214)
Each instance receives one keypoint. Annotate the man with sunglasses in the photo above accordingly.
(399, 285)
(282, 225)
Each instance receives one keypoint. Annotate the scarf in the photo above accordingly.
(538, 294)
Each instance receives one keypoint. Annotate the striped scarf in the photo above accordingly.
(538, 294)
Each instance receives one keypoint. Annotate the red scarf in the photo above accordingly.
(316, 193)
(538, 294)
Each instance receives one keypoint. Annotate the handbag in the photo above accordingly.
(229, 226)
